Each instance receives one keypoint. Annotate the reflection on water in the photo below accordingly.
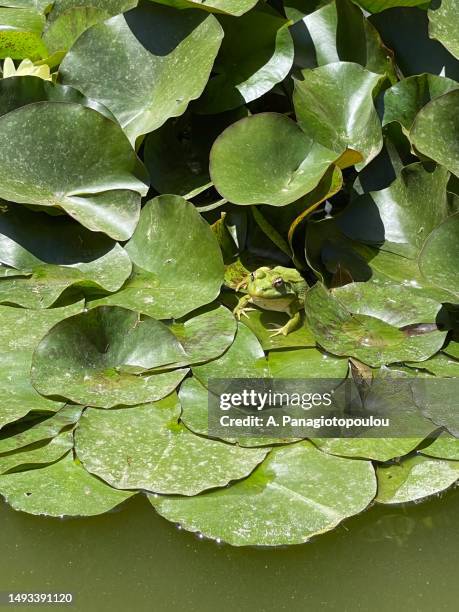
(387, 559)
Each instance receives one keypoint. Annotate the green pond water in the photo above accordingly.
(397, 559)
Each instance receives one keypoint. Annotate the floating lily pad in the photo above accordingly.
(160, 57)
(267, 159)
(256, 54)
(440, 365)
(444, 447)
(46, 453)
(176, 276)
(296, 493)
(397, 305)
(61, 489)
(444, 25)
(205, 335)
(415, 478)
(375, 6)
(435, 131)
(98, 185)
(20, 33)
(371, 340)
(377, 449)
(327, 101)
(69, 255)
(20, 332)
(45, 430)
(128, 449)
(68, 19)
(244, 359)
(112, 347)
(305, 364)
(400, 217)
(405, 99)
(439, 256)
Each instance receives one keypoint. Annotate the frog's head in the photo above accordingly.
(271, 283)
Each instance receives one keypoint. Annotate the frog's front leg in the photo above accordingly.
(290, 326)
(241, 308)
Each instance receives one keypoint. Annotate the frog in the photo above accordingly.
(280, 289)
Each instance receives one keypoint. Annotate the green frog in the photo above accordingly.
(280, 289)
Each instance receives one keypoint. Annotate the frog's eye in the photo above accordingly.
(252, 276)
(278, 282)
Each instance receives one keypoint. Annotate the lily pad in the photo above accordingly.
(328, 100)
(98, 185)
(376, 449)
(400, 217)
(440, 254)
(267, 159)
(128, 449)
(229, 7)
(47, 453)
(175, 277)
(70, 255)
(45, 430)
(371, 340)
(244, 359)
(68, 19)
(20, 332)
(444, 447)
(62, 489)
(296, 493)
(17, 91)
(206, 334)
(20, 33)
(435, 131)
(444, 25)
(256, 54)
(376, 6)
(160, 57)
(305, 364)
(415, 478)
(440, 365)
(112, 347)
(405, 99)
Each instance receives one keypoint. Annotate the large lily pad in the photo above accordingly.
(267, 159)
(435, 131)
(18, 397)
(171, 278)
(327, 102)
(55, 253)
(98, 185)
(161, 59)
(372, 340)
(444, 25)
(377, 449)
(296, 493)
(415, 478)
(256, 54)
(112, 347)
(404, 100)
(61, 489)
(244, 359)
(20, 33)
(147, 448)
